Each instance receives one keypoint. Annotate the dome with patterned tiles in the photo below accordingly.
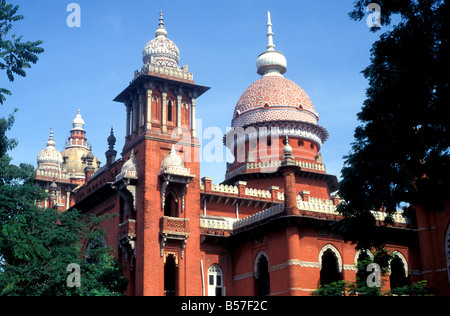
(50, 158)
(273, 97)
(161, 50)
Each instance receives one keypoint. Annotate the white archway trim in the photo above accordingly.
(399, 255)
(255, 266)
(360, 252)
(336, 253)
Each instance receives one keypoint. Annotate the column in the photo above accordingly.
(128, 106)
(149, 108)
(193, 123)
(179, 106)
(142, 98)
(164, 112)
(68, 198)
(134, 114)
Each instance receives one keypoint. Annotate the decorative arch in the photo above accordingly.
(402, 258)
(360, 253)
(255, 266)
(262, 274)
(171, 204)
(398, 271)
(336, 253)
(215, 281)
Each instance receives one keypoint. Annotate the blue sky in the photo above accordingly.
(87, 67)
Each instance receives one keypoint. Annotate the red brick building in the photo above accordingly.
(264, 230)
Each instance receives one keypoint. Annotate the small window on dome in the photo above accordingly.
(312, 146)
(266, 106)
(301, 143)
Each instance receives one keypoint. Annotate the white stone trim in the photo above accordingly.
(337, 254)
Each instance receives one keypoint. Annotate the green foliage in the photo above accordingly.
(36, 244)
(401, 150)
(15, 55)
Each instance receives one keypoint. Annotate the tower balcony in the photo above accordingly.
(174, 226)
(174, 229)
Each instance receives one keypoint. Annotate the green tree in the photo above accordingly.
(15, 55)
(400, 155)
(37, 245)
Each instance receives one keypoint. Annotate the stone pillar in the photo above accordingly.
(134, 115)
(149, 107)
(164, 112)
(179, 106)
(290, 192)
(193, 123)
(128, 128)
(142, 98)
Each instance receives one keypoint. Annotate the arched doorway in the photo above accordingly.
(329, 271)
(399, 274)
(262, 275)
(170, 275)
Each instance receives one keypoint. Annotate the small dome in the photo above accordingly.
(271, 62)
(50, 157)
(161, 50)
(130, 167)
(78, 122)
(172, 160)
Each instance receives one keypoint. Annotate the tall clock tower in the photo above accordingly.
(160, 184)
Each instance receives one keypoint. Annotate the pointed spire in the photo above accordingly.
(50, 141)
(161, 31)
(111, 139)
(271, 62)
(270, 46)
(287, 150)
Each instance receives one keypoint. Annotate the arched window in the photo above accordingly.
(262, 275)
(330, 265)
(399, 271)
(171, 205)
(215, 281)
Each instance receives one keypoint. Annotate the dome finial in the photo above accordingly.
(271, 62)
(161, 31)
(270, 46)
(50, 141)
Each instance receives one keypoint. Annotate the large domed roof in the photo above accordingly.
(277, 102)
(274, 98)
(161, 49)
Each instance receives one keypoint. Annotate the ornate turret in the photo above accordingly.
(271, 110)
(111, 153)
(77, 149)
(50, 159)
